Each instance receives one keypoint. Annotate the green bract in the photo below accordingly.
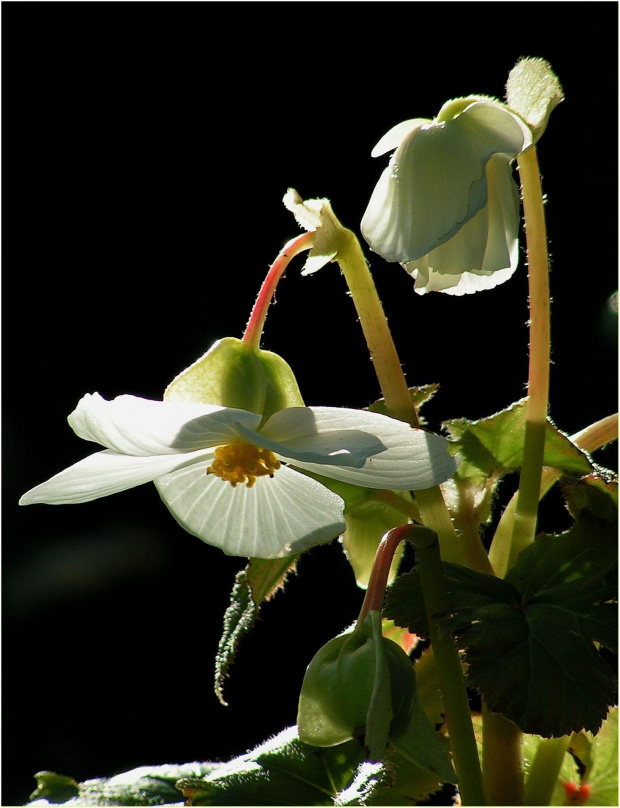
(233, 374)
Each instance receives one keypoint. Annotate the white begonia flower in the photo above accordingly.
(447, 207)
(230, 481)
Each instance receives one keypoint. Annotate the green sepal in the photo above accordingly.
(359, 685)
(257, 583)
(234, 374)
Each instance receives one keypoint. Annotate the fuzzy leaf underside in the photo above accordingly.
(282, 771)
(144, 786)
(257, 583)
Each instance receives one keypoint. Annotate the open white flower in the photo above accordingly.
(229, 480)
(447, 207)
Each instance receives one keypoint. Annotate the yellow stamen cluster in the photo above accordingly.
(243, 463)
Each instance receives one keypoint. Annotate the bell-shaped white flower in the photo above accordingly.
(231, 480)
(447, 207)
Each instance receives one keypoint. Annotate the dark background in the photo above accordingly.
(146, 151)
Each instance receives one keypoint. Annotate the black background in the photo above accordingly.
(147, 147)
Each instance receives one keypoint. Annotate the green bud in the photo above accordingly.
(233, 374)
(533, 91)
(359, 685)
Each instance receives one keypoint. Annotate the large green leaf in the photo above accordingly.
(144, 786)
(258, 582)
(529, 640)
(282, 771)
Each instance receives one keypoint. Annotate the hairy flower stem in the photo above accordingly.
(392, 381)
(545, 769)
(254, 328)
(445, 653)
(526, 512)
(501, 735)
(589, 439)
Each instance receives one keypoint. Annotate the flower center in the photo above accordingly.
(243, 463)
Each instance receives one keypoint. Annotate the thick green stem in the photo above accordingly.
(392, 381)
(545, 769)
(588, 439)
(502, 759)
(526, 512)
(446, 655)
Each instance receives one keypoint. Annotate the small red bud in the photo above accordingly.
(576, 795)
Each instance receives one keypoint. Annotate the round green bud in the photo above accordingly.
(357, 684)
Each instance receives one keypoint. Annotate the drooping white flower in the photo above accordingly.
(447, 207)
(230, 480)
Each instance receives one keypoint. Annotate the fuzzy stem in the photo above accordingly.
(392, 381)
(545, 769)
(254, 328)
(526, 512)
(588, 439)
(445, 653)
(377, 583)
(447, 660)
(502, 760)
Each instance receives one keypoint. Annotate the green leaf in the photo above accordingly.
(419, 396)
(260, 580)
(146, 785)
(602, 773)
(55, 788)
(529, 640)
(282, 771)
(493, 447)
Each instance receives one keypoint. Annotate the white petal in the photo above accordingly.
(277, 517)
(412, 459)
(138, 426)
(484, 253)
(392, 139)
(104, 473)
(328, 435)
(436, 181)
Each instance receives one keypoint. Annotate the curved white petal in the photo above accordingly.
(436, 181)
(277, 517)
(412, 460)
(395, 136)
(102, 474)
(485, 251)
(141, 427)
(331, 435)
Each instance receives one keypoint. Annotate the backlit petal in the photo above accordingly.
(485, 251)
(102, 474)
(276, 517)
(436, 181)
(141, 427)
(331, 435)
(412, 460)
